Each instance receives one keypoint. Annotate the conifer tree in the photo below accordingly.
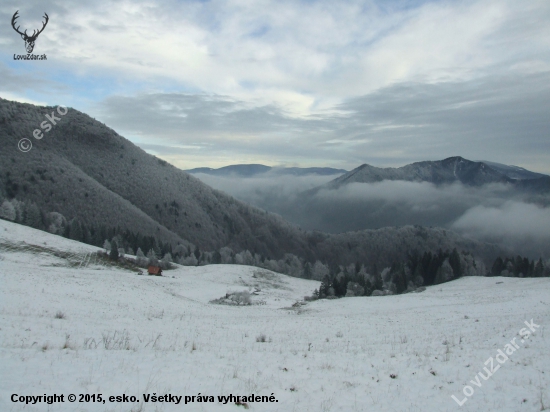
(454, 261)
(75, 232)
(498, 266)
(152, 258)
(216, 258)
(308, 274)
(539, 269)
(324, 287)
(378, 283)
(32, 216)
(114, 250)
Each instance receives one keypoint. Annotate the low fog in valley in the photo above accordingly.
(493, 212)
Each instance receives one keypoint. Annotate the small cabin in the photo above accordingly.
(154, 270)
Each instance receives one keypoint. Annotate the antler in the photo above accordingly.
(43, 25)
(15, 16)
(34, 34)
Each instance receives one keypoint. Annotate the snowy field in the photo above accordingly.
(71, 325)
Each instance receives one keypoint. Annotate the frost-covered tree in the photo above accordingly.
(19, 207)
(272, 265)
(152, 258)
(166, 261)
(7, 211)
(244, 258)
(444, 273)
(226, 255)
(181, 251)
(141, 260)
(319, 270)
(354, 289)
(206, 258)
(190, 260)
(107, 245)
(294, 265)
(258, 260)
(56, 223)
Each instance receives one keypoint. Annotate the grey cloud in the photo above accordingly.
(175, 113)
(491, 213)
(521, 226)
(499, 118)
(265, 190)
(393, 203)
(21, 82)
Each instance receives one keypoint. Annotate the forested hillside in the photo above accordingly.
(85, 181)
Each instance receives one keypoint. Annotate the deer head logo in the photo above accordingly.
(29, 40)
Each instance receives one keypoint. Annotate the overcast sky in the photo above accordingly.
(302, 83)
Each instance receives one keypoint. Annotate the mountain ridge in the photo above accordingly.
(455, 169)
(252, 170)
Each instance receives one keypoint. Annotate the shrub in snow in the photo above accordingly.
(241, 298)
(236, 299)
(59, 315)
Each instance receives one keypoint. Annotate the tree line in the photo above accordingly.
(520, 267)
(358, 279)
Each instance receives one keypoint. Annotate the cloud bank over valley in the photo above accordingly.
(494, 212)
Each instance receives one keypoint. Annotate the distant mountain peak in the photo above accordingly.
(447, 171)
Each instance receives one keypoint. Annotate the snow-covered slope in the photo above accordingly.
(71, 325)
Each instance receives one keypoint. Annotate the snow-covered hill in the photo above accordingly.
(69, 324)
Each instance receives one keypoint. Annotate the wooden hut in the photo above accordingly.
(154, 270)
